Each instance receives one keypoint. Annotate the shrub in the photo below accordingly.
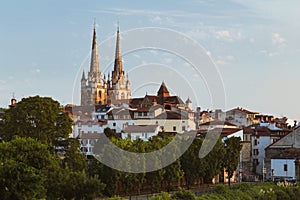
(164, 196)
(221, 189)
(183, 194)
(281, 194)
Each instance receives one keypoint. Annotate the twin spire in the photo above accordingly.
(94, 65)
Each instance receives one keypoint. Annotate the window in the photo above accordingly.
(145, 113)
(255, 152)
(255, 142)
(174, 128)
(167, 107)
(255, 162)
(183, 128)
(139, 114)
(114, 124)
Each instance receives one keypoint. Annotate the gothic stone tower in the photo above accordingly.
(94, 88)
(119, 85)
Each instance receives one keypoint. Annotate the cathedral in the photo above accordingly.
(96, 89)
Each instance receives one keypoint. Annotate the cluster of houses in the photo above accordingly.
(270, 147)
(269, 144)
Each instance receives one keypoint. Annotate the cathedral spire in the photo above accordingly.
(83, 76)
(118, 68)
(94, 67)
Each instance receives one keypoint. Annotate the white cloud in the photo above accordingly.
(223, 34)
(228, 35)
(157, 19)
(35, 71)
(220, 62)
(223, 60)
(271, 54)
(277, 39)
(230, 58)
(268, 53)
(168, 60)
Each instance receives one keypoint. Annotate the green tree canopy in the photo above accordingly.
(37, 117)
(24, 164)
(232, 155)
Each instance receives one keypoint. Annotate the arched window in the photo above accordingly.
(122, 95)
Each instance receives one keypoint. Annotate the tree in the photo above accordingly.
(37, 117)
(33, 134)
(20, 181)
(212, 164)
(232, 155)
(190, 163)
(24, 164)
(109, 133)
(74, 159)
(173, 173)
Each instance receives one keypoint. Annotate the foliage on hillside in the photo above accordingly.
(36, 151)
(266, 191)
(189, 168)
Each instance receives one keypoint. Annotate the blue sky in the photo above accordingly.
(44, 46)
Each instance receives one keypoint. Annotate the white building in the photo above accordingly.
(261, 138)
(143, 132)
(284, 152)
(239, 116)
(171, 121)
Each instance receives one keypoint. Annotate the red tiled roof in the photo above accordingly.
(224, 131)
(168, 114)
(244, 110)
(217, 122)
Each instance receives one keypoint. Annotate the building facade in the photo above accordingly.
(95, 88)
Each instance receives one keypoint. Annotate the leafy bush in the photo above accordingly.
(265, 191)
(183, 194)
(164, 196)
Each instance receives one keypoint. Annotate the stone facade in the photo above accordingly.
(95, 89)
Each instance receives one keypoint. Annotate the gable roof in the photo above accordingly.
(169, 114)
(140, 128)
(163, 90)
(218, 122)
(242, 110)
(288, 141)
